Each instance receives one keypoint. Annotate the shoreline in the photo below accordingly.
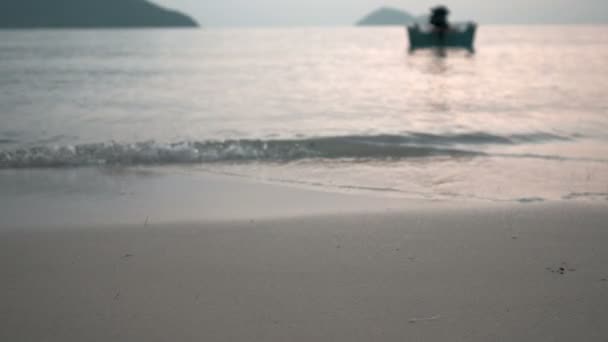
(134, 196)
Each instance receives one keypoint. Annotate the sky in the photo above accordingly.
(222, 13)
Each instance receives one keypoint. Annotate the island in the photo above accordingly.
(89, 14)
(387, 16)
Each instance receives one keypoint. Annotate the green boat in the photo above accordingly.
(456, 36)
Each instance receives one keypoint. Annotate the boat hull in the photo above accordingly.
(453, 38)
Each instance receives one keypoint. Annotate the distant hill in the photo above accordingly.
(88, 14)
(386, 16)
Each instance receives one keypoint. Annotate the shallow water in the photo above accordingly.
(341, 109)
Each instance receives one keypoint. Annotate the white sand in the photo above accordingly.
(435, 274)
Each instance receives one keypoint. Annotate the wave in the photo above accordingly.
(413, 145)
(7, 141)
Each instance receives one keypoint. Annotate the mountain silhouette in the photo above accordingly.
(88, 14)
(386, 16)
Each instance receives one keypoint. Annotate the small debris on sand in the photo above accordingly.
(127, 256)
(415, 320)
(562, 269)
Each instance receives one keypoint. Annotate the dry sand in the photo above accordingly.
(536, 272)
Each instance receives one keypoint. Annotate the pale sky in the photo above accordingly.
(213, 13)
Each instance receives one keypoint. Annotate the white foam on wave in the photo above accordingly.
(143, 153)
(414, 145)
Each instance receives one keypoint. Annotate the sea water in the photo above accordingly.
(337, 109)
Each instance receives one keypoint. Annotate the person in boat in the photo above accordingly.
(439, 19)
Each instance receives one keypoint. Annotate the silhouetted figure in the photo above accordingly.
(439, 33)
(439, 20)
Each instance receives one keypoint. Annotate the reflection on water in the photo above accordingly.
(165, 96)
(176, 85)
(439, 92)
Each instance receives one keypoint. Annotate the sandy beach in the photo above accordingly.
(308, 182)
(430, 272)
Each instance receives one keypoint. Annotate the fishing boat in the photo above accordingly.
(456, 36)
(439, 33)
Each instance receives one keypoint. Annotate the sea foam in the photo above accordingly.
(413, 145)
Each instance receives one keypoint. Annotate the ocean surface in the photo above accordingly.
(337, 109)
